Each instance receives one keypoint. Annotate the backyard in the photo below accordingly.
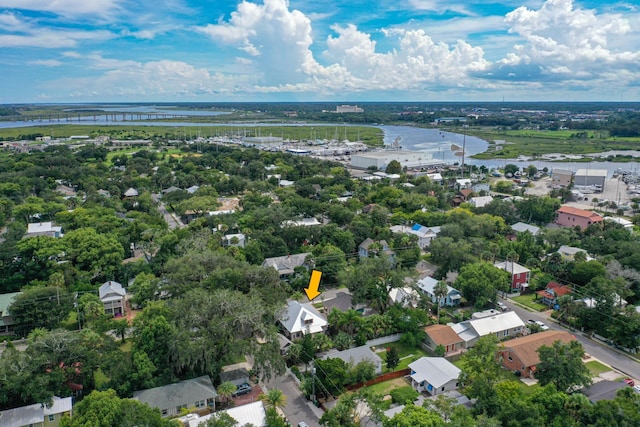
(407, 354)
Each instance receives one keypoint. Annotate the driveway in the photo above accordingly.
(297, 408)
(600, 351)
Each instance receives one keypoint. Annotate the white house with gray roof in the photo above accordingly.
(112, 295)
(300, 319)
(434, 375)
(424, 234)
(170, 399)
(427, 286)
(355, 355)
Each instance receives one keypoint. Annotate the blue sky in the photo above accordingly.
(326, 50)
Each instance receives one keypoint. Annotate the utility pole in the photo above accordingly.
(313, 381)
(77, 311)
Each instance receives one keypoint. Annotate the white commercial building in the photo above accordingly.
(380, 159)
(590, 177)
(349, 109)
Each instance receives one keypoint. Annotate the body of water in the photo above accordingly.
(442, 145)
(439, 144)
(436, 142)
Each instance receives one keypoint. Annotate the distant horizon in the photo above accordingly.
(177, 102)
(149, 51)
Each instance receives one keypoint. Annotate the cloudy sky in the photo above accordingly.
(325, 50)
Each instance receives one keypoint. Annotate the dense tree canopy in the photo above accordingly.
(561, 365)
(481, 282)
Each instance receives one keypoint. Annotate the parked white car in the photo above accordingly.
(539, 323)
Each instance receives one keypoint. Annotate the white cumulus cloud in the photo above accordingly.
(279, 40)
(560, 39)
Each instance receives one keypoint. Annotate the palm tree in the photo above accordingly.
(349, 321)
(440, 291)
(274, 398)
(226, 390)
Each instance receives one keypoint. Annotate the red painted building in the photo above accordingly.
(520, 275)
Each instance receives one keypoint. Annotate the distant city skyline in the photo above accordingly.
(337, 51)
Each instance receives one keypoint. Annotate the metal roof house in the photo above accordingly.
(43, 229)
(425, 234)
(427, 286)
(503, 325)
(112, 295)
(521, 227)
(434, 375)
(250, 414)
(300, 319)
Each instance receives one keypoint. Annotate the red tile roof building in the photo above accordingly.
(568, 216)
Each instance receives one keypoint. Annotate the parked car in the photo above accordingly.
(539, 323)
(243, 389)
(501, 306)
(629, 382)
(303, 424)
(636, 388)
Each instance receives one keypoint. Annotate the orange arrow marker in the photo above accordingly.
(312, 290)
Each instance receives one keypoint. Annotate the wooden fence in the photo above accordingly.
(379, 379)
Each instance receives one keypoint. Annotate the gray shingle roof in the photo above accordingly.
(183, 393)
(286, 264)
(355, 355)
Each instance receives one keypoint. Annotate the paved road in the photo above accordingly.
(595, 349)
(170, 219)
(297, 408)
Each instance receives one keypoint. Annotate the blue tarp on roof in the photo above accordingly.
(416, 227)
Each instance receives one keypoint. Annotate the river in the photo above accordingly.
(437, 142)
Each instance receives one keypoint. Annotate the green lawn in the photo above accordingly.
(385, 387)
(126, 346)
(528, 301)
(528, 389)
(101, 379)
(534, 143)
(71, 322)
(597, 368)
(407, 354)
